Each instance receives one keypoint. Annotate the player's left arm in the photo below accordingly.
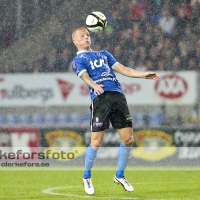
(127, 71)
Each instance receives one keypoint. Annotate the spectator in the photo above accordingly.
(136, 32)
(117, 51)
(192, 44)
(6, 35)
(124, 35)
(183, 13)
(149, 65)
(176, 64)
(116, 21)
(37, 67)
(183, 49)
(45, 7)
(144, 21)
(136, 9)
(149, 27)
(194, 2)
(25, 68)
(157, 34)
(167, 45)
(168, 60)
(62, 62)
(51, 67)
(7, 69)
(192, 64)
(195, 5)
(69, 45)
(154, 8)
(187, 32)
(43, 60)
(161, 65)
(141, 66)
(175, 37)
(58, 40)
(131, 63)
(167, 22)
(1, 35)
(121, 15)
(109, 48)
(50, 57)
(170, 5)
(147, 41)
(198, 57)
(159, 46)
(153, 57)
(142, 54)
(183, 53)
(108, 34)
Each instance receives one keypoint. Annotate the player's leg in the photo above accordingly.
(121, 120)
(126, 135)
(91, 154)
(124, 154)
(99, 123)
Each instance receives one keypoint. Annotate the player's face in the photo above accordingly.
(82, 40)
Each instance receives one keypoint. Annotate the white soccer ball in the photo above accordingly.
(96, 21)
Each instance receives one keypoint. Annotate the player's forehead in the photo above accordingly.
(82, 32)
(79, 32)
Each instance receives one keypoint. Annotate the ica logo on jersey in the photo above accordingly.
(99, 63)
(96, 64)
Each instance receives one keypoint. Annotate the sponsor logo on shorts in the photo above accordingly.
(128, 118)
(97, 124)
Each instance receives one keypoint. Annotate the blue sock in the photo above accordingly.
(123, 157)
(90, 157)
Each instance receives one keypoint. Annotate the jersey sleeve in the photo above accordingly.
(111, 60)
(78, 66)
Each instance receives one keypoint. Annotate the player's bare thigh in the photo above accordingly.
(126, 135)
(97, 138)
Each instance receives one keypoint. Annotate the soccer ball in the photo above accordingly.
(96, 21)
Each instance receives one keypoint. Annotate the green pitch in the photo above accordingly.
(67, 184)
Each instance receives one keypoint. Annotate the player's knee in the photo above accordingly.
(96, 144)
(128, 142)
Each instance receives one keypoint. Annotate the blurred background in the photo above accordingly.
(36, 48)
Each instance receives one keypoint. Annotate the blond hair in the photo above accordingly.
(74, 32)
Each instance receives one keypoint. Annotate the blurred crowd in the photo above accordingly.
(154, 35)
(144, 35)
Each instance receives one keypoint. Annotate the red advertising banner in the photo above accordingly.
(19, 144)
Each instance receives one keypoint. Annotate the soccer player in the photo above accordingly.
(96, 69)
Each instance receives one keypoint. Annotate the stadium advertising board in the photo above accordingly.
(62, 144)
(67, 147)
(19, 144)
(67, 89)
(152, 147)
(155, 147)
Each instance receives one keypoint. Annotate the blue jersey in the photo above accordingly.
(99, 65)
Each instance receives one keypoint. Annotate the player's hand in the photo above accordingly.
(98, 89)
(151, 75)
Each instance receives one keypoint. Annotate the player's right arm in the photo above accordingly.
(79, 68)
(98, 89)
